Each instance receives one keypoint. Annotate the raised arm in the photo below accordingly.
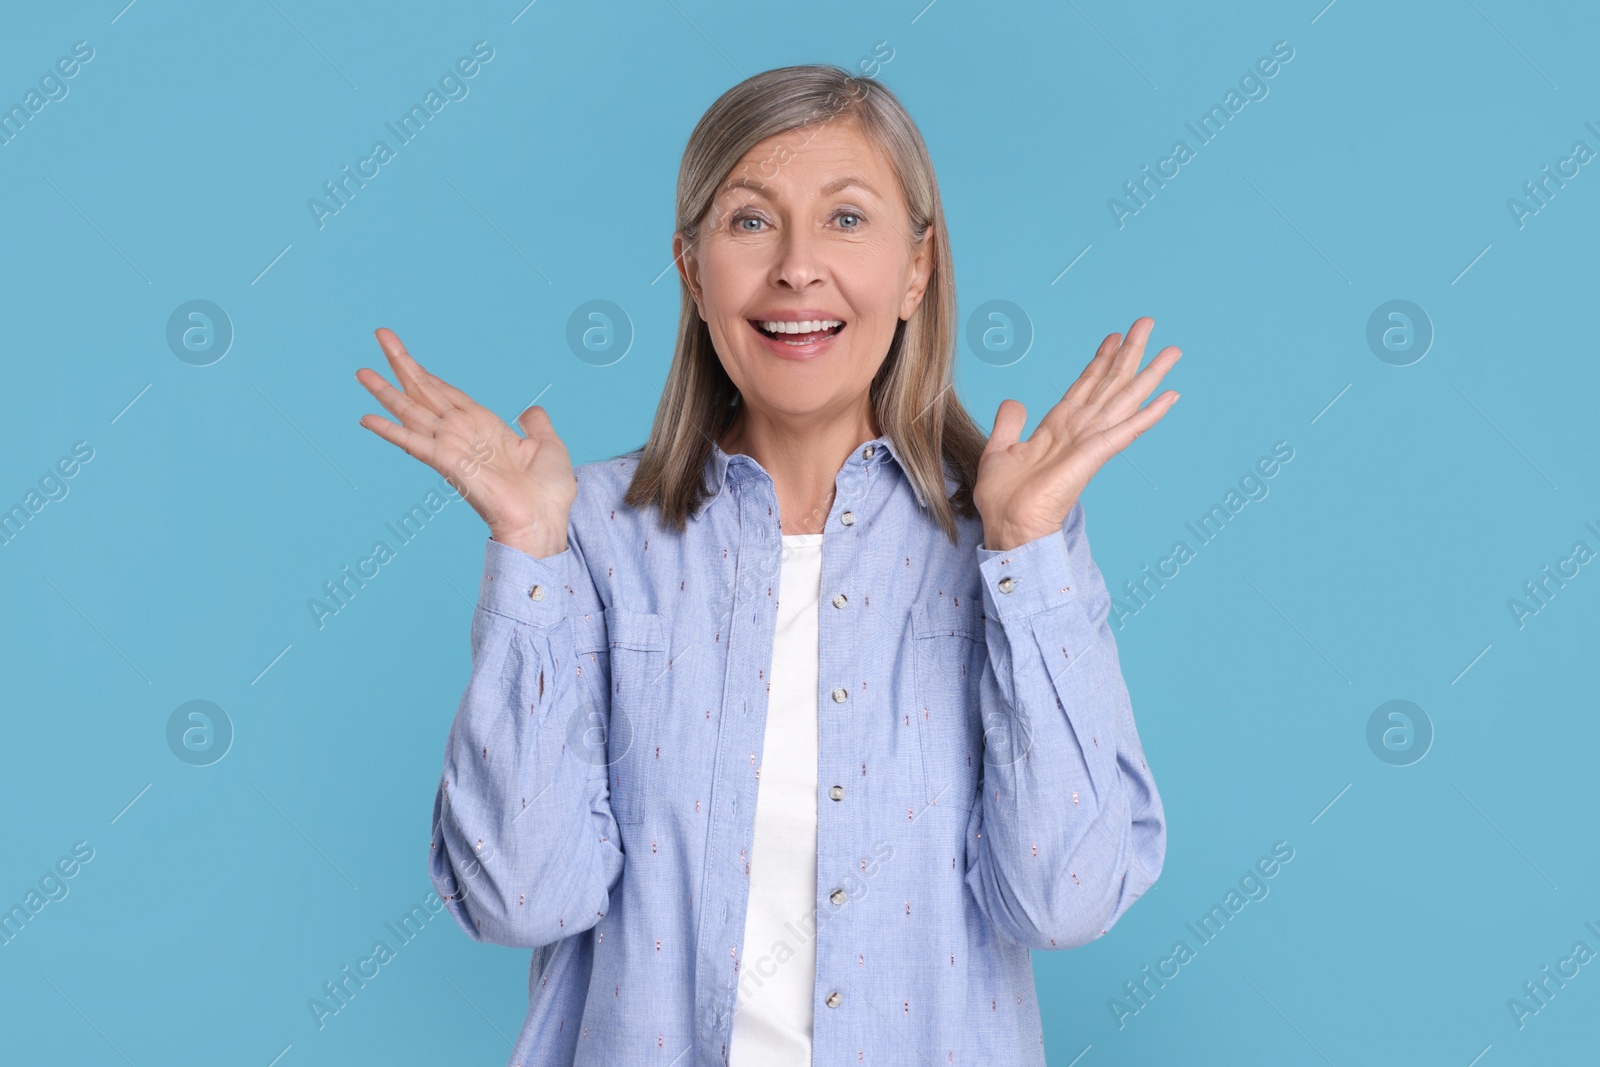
(522, 850)
(1070, 830)
(521, 847)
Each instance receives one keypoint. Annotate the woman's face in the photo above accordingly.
(809, 230)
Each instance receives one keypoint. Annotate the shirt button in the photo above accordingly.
(536, 593)
(1007, 584)
(866, 453)
(833, 999)
(840, 600)
(836, 792)
(837, 896)
(848, 518)
(839, 696)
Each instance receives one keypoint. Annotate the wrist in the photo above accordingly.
(1003, 540)
(540, 542)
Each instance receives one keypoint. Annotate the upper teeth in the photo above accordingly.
(809, 326)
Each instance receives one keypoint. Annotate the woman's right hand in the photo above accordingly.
(522, 485)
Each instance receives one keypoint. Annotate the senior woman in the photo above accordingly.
(790, 733)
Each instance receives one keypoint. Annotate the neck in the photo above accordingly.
(803, 457)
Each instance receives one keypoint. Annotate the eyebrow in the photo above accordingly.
(827, 190)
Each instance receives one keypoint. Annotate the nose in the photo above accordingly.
(799, 260)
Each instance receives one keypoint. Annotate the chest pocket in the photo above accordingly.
(627, 650)
(949, 657)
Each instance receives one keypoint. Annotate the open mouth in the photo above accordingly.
(798, 334)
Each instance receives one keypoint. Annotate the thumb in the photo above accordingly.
(1009, 420)
(535, 422)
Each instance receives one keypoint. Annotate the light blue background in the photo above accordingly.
(1419, 500)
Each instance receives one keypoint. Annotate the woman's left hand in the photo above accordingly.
(1026, 488)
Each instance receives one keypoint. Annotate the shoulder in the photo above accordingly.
(603, 482)
(599, 512)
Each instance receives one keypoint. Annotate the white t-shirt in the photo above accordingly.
(778, 968)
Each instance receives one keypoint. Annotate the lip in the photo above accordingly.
(785, 350)
(800, 315)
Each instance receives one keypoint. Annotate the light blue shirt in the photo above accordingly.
(981, 786)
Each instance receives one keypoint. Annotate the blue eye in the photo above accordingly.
(737, 219)
(852, 215)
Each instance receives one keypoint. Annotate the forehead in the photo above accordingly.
(813, 161)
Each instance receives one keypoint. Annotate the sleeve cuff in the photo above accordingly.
(531, 590)
(1026, 580)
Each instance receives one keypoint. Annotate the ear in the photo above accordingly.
(688, 269)
(921, 274)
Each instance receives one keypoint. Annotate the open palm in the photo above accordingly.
(1026, 488)
(521, 484)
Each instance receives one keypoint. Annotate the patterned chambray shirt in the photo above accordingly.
(981, 789)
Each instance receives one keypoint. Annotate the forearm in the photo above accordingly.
(516, 850)
(1069, 829)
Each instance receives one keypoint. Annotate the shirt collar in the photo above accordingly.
(880, 449)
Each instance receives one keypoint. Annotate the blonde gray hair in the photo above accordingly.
(913, 394)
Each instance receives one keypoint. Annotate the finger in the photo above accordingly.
(1095, 370)
(1009, 420)
(397, 403)
(535, 424)
(413, 379)
(456, 397)
(1123, 433)
(413, 443)
(1121, 403)
(1128, 356)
